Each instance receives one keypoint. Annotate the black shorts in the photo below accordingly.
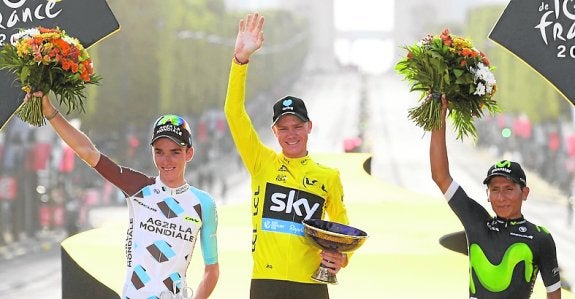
(282, 289)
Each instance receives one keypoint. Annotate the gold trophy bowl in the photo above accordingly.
(328, 235)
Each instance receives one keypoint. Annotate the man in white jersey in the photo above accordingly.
(167, 215)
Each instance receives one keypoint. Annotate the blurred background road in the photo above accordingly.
(341, 66)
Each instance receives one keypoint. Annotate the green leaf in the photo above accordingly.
(458, 72)
(24, 74)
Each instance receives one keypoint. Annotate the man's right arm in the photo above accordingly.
(249, 40)
(438, 154)
(242, 130)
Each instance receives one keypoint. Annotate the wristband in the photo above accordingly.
(50, 117)
(238, 61)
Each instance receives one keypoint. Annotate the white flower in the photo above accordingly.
(426, 40)
(483, 78)
(479, 89)
(70, 40)
(28, 33)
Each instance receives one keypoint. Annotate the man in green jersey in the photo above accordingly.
(287, 187)
(506, 252)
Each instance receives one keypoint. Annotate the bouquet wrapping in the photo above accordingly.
(48, 60)
(448, 65)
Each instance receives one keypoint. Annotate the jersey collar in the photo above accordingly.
(296, 161)
(500, 222)
(174, 191)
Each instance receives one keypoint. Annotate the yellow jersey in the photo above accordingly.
(285, 191)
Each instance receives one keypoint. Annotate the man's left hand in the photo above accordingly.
(333, 260)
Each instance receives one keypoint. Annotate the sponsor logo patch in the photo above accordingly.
(285, 209)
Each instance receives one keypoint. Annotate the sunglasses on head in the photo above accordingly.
(172, 119)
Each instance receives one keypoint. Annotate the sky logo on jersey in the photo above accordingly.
(285, 209)
(140, 277)
(170, 207)
(161, 251)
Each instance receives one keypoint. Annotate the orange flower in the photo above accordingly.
(55, 54)
(84, 73)
(446, 37)
(484, 58)
(37, 40)
(409, 55)
(88, 64)
(47, 30)
(466, 52)
(74, 53)
(74, 67)
(65, 64)
(64, 46)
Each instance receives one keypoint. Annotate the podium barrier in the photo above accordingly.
(93, 264)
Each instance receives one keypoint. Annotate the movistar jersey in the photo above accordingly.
(284, 192)
(163, 228)
(505, 256)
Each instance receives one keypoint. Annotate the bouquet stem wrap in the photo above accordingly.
(47, 60)
(448, 65)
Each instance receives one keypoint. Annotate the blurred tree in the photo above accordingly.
(175, 58)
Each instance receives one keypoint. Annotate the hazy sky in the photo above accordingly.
(364, 14)
(371, 56)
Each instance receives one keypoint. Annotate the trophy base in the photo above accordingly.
(323, 276)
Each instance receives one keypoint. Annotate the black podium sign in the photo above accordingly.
(87, 20)
(541, 33)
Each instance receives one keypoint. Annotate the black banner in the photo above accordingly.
(541, 34)
(87, 20)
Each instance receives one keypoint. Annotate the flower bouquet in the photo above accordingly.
(449, 65)
(48, 59)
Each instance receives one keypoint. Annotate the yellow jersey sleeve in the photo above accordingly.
(242, 130)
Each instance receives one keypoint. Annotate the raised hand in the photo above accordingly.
(250, 37)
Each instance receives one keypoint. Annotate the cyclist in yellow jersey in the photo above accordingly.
(287, 187)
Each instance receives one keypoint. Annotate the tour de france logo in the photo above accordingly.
(555, 26)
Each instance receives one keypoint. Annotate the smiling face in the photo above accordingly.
(292, 133)
(170, 160)
(506, 197)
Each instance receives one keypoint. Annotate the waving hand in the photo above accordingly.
(250, 37)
